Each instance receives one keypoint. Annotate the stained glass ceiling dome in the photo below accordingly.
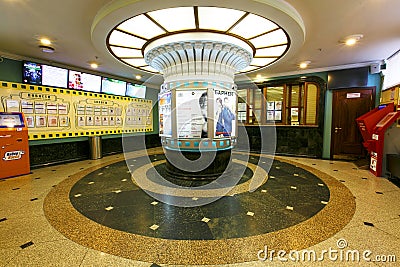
(266, 37)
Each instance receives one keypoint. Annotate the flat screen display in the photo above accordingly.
(135, 90)
(32, 73)
(11, 120)
(84, 81)
(53, 76)
(113, 86)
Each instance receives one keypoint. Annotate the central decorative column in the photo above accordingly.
(198, 100)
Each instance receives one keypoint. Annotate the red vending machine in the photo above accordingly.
(377, 143)
(367, 122)
(14, 146)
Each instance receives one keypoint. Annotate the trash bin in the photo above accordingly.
(95, 147)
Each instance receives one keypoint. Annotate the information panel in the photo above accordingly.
(58, 113)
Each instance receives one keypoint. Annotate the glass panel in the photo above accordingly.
(253, 25)
(175, 19)
(141, 26)
(275, 51)
(273, 38)
(312, 97)
(226, 18)
(123, 39)
(126, 52)
(295, 95)
(262, 61)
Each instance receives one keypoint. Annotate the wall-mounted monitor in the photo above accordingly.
(113, 86)
(84, 81)
(32, 73)
(54, 76)
(135, 90)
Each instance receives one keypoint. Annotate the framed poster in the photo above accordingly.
(30, 121)
(270, 115)
(105, 121)
(164, 109)
(191, 113)
(224, 112)
(81, 121)
(97, 120)
(41, 121)
(64, 121)
(278, 115)
(52, 121)
(278, 105)
(270, 105)
(89, 121)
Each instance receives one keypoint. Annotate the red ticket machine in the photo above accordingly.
(377, 142)
(367, 122)
(14, 146)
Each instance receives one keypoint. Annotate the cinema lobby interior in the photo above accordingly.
(199, 133)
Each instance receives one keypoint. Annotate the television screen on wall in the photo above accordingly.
(53, 76)
(113, 86)
(32, 73)
(135, 90)
(84, 81)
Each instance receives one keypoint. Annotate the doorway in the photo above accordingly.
(349, 104)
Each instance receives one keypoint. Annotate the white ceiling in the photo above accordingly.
(69, 22)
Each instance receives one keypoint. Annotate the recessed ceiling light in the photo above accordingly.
(45, 41)
(94, 65)
(304, 64)
(138, 77)
(351, 39)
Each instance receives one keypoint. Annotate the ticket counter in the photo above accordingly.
(14, 146)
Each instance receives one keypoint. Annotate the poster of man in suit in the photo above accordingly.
(224, 113)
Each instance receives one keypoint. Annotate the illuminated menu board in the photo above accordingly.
(53, 76)
(113, 86)
(135, 90)
(32, 73)
(84, 81)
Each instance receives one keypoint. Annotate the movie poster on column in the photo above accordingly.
(191, 113)
(224, 112)
(164, 109)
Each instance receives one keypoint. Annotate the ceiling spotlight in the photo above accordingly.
(138, 77)
(351, 39)
(45, 41)
(94, 65)
(304, 64)
(46, 49)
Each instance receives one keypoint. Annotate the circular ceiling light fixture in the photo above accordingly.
(269, 31)
(193, 34)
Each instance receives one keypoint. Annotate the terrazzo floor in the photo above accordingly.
(54, 217)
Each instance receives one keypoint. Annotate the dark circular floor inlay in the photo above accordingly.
(234, 169)
(290, 196)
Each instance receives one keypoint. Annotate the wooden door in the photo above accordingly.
(349, 104)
